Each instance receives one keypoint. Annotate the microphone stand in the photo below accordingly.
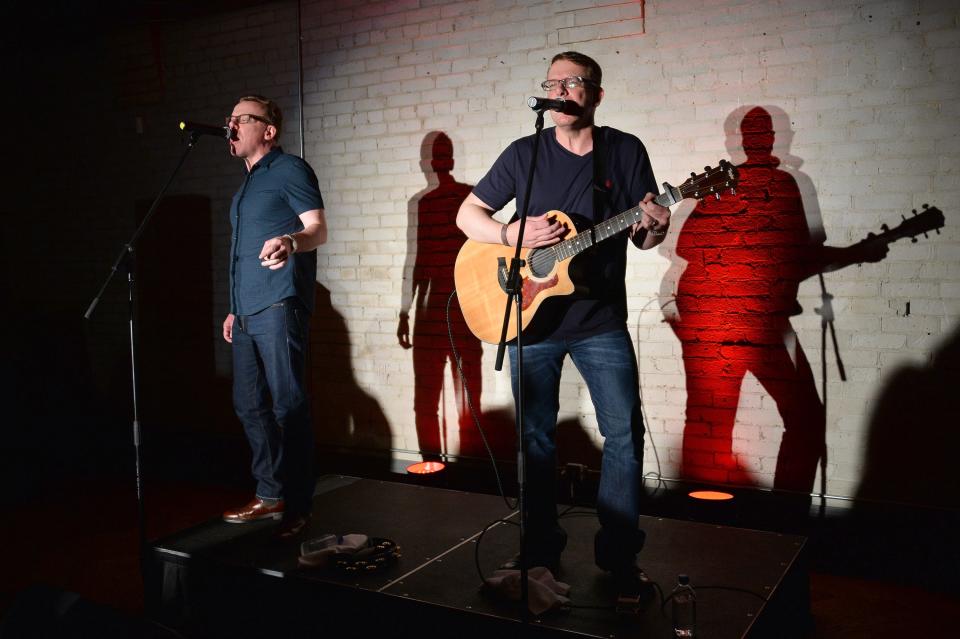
(125, 259)
(514, 290)
(826, 321)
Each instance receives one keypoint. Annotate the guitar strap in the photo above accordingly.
(601, 185)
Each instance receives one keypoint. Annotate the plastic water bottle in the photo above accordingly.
(684, 601)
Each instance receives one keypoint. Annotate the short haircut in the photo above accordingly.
(593, 69)
(274, 113)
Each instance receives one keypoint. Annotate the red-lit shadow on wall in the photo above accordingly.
(433, 241)
(746, 255)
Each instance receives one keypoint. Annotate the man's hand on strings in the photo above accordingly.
(543, 230)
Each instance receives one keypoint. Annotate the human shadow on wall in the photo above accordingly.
(574, 445)
(176, 352)
(344, 414)
(433, 241)
(69, 377)
(745, 256)
(906, 514)
(911, 451)
(57, 423)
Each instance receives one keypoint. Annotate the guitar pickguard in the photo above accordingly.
(531, 287)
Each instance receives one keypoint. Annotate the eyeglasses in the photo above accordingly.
(244, 118)
(569, 84)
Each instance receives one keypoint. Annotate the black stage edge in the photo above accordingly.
(230, 580)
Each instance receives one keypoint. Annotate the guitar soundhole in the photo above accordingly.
(541, 263)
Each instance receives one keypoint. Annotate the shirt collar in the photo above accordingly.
(268, 159)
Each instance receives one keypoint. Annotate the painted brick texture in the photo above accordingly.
(860, 101)
(860, 97)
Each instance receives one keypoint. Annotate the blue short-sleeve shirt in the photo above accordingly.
(273, 195)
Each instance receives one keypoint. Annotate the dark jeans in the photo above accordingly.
(609, 368)
(270, 398)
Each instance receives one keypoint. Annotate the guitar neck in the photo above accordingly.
(931, 219)
(606, 229)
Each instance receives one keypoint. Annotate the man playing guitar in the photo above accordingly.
(593, 173)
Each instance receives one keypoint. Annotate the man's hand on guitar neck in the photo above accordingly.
(833, 258)
(654, 222)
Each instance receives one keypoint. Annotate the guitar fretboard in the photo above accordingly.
(603, 231)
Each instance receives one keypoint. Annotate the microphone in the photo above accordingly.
(206, 129)
(542, 104)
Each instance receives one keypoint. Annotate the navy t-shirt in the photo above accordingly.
(564, 181)
(276, 191)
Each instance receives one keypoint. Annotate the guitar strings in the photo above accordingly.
(549, 256)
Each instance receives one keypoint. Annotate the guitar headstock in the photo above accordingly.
(713, 181)
(930, 219)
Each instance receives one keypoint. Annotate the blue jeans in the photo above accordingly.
(270, 399)
(609, 367)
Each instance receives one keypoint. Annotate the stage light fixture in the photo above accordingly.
(710, 495)
(426, 468)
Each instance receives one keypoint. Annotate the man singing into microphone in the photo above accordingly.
(592, 173)
(278, 222)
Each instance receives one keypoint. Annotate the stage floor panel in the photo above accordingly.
(749, 583)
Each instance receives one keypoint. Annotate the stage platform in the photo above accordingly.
(229, 580)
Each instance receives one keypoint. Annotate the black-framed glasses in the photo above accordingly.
(244, 118)
(574, 82)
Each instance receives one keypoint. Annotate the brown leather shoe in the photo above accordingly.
(291, 527)
(255, 510)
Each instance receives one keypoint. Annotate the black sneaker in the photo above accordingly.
(634, 589)
(610, 554)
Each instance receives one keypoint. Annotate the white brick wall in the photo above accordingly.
(870, 88)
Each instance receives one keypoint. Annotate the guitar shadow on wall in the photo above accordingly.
(344, 415)
(741, 260)
(433, 241)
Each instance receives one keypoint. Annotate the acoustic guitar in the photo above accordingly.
(480, 273)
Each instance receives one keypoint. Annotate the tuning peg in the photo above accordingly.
(716, 195)
(926, 206)
(885, 227)
(913, 240)
(914, 212)
(692, 174)
(707, 168)
(937, 231)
